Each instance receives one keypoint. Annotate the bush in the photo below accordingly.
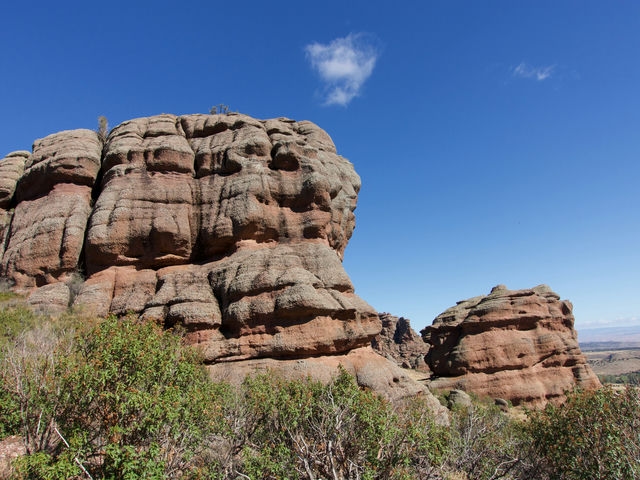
(595, 434)
(9, 415)
(486, 443)
(304, 429)
(125, 397)
(29, 368)
(631, 378)
(103, 129)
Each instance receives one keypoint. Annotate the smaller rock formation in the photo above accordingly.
(400, 343)
(459, 399)
(519, 345)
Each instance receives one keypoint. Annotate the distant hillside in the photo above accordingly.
(606, 338)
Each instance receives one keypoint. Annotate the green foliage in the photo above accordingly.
(310, 430)
(7, 295)
(41, 465)
(124, 399)
(485, 443)
(126, 396)
(28, 367)
(9, 414)
(632, 378)
(595, 434)
(14, 320)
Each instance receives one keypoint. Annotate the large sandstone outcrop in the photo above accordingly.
(518, 345)
(231, 227)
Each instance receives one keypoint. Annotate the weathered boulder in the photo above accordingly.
(399, 342)
(232, 227)
(279, 300)
(459, 399)
(68, 157)
(53, 298)
(518, 345)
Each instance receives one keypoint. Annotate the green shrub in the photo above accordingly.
(125, 399)
(595, 434)
(15, 320)
(9, 415)
(486, 443)
(631, 378)
(128, 399)
(305, 429)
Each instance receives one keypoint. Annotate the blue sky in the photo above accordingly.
(498, 141)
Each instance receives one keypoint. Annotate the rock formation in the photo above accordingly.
(400, 343)
(519, 345)
(232, 227)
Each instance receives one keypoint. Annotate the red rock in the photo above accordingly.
(11, 169)
(71, 157)
(53, 205)
(518, 345)
(400, 343)
(230, 227)
(51, 299)
(47, 234)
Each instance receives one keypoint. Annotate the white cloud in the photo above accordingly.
(538, 73)
(343, 65)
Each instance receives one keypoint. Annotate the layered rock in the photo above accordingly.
(52, 205)
(518, 345)
(230, 227)
(399, 342)
(11, 169)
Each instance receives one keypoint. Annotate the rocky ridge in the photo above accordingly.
(232, 227)
(400, 343)
(518, 345)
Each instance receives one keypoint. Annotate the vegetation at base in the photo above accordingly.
(123, 399)
(632, 378)
(593, 435)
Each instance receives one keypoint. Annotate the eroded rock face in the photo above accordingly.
(203, 186)
(518, 345)
(230, 227)
(399, 342)
(52, 201)
(11, 169)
